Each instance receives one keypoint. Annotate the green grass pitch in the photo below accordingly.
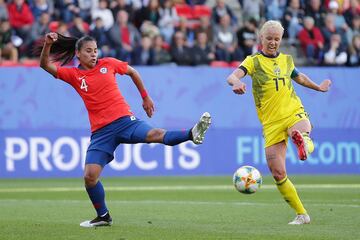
(179, 208)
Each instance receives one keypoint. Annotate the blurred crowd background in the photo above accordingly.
(185, 32)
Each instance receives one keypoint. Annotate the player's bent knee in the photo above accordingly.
(90, 180)
(155, 135)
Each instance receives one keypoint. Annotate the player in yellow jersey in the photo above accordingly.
(279, 109)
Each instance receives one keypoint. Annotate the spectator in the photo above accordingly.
(86, 8)
(179, 1)
(225, 41)
(149, 13)
(168, 20)
(123, 36)
(317, 11)
(189, 34)
(354, 51)
(247, 37)
(352, 11)
(39, 29)
(63, 29)
(180, 53)
(3, 11)
(20, 18)
(161, 55)
(149, 29)
(104, 13)
(354, 30)
(311, 41)
(274, 9)
(40, 6)
(138, 4)
(343, 4)
(78, 27)
(202, 51)
(252, 9)
(221, 9)
(117, 5)
(339, 19)
(207, 27)
(292, 20)
(335, 53)
(195, 2)
(67, 9)
(100, 34)
(143, 54)
(330, 29)
(7, 48)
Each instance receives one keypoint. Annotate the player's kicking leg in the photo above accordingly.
(276, 158)
(172, 138)
(299, 134)
(200, 128)
(303, 143)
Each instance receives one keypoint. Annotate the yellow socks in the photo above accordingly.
(290, 195)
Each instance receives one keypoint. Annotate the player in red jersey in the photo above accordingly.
(112, 122)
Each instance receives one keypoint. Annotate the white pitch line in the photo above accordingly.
(174, 188)
(170, 202)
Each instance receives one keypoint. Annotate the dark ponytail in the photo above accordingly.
(63, 49)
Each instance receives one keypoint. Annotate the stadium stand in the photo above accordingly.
(165, 17)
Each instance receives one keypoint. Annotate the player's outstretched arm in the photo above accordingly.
(45, 63)
(305, 81)
(148, 103)
(233, 80)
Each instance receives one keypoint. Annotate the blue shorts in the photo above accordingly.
(104, 141)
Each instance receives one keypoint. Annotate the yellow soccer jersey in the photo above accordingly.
(273, 91)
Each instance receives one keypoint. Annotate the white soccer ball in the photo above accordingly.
(247, 179)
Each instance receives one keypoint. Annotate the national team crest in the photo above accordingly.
(277, 71)
(103, 70)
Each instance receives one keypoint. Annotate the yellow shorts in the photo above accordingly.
(276, 132)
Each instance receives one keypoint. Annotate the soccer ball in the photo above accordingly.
(247, 179)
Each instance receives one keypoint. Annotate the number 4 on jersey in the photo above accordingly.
(83, 85)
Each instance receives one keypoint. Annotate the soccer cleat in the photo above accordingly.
(200, 128)
(98, 222)
(300, 219)
(303, 144)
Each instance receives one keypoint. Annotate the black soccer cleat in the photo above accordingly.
(98, 221)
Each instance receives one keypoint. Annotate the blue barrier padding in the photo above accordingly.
(44, 129)
(32, 99)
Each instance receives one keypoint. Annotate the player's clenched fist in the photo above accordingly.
(51, 37)
(325, 85)
(239, 88)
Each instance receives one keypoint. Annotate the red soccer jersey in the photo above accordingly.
(99, 90)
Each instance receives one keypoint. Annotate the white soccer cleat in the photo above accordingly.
(300, 219)
(200, 128)
(98, 222)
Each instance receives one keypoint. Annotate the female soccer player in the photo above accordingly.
(111, 120)
(279, 109)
